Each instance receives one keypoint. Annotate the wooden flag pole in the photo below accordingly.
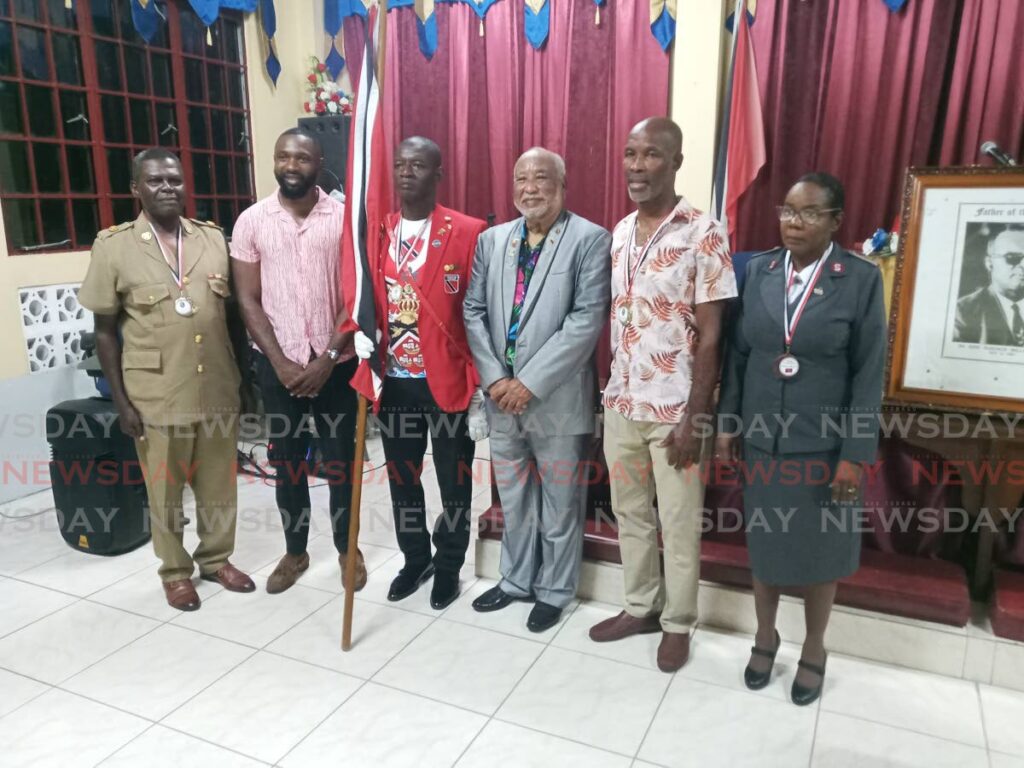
(353, 524)
(357, 463)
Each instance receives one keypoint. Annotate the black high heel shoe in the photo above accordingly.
(802, 696)
(755, 680)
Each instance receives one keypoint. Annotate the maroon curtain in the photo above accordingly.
(485, 100)
(849, 88)
(986, 92)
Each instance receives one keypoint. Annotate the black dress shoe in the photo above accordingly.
(408, 581)
(755, 680)
(803, 696)
(494, 599)
(543, 617)
(445, 590)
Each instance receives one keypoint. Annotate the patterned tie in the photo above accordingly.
(1017, 326)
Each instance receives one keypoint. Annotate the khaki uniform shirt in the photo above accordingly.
(177, 369)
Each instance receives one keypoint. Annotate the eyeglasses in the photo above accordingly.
(1012, 259)
(809, 216)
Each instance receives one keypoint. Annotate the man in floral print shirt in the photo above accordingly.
(671, 279)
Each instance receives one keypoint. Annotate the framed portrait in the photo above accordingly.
(956, 331)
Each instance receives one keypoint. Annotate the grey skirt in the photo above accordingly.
(795, 535)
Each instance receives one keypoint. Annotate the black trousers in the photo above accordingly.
(334, 416)
(407, 415)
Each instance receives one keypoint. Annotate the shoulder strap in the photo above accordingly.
(425, 303)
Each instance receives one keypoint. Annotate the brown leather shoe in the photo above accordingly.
(622, 626)
(360, 570)
(182, 595)
(231, 579)
(673, 651)
(287, 572)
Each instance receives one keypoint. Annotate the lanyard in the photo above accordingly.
(790, 324)
(177, 275)
(406, 251)
(630, 276)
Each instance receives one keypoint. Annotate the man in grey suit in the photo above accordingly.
(537, 301)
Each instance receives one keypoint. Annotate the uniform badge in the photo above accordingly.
(838, 268)
(451, 283)
(819, 292)
(146, 236)
(449, 267)
(436, 243)
(772, 263)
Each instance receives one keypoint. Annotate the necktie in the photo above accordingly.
(794, 289)
(1017, 326)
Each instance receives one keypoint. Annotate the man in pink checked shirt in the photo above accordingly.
(285, 260)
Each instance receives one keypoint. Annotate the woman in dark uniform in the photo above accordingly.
(803, 375)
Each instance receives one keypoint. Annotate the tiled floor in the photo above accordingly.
(96, 670)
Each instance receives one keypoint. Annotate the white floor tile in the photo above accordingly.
(586, 699)
(60, 729)
(80, 574)
(697, 724)
(999, 760)
(510, 620)
(640, 650)
(253, 619)
(719, 658)
(461, 665)
(503, 744)
(378, 633)
(66, 642)
(17, 690)
(28, 539)
(129, 679)
(1004, 719)
(264, 707)
(384, 728)
(21, 604)
(916, 701)
(143, 593)
(845, 742)
(161, 747)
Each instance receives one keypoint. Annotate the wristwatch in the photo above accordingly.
(333, 354)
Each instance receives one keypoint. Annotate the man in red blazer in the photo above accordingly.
(430, 385)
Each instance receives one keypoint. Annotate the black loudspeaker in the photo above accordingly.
(333, 134)
(99, 490)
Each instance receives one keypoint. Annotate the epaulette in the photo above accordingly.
(862, 257)
(211, 224)
(109, 231)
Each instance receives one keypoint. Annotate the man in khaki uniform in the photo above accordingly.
(161, 282)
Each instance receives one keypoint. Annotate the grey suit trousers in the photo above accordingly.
(543, 501)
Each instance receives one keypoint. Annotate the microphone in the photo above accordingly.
(992, 149)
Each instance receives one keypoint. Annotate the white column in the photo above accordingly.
(699, 64)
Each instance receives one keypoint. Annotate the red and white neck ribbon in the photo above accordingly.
(405, 252)
(790, 323)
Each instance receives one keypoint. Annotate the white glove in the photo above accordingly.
(364, 347)
(476, 418)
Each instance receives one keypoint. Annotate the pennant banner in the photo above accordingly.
(268, 23)
(145, 18)
(537, 21)
(663, 22)
(333, 19)
(751, 15)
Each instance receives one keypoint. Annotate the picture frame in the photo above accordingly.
(958, 271)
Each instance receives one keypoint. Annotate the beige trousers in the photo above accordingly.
(202, 455)
(638, 469)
